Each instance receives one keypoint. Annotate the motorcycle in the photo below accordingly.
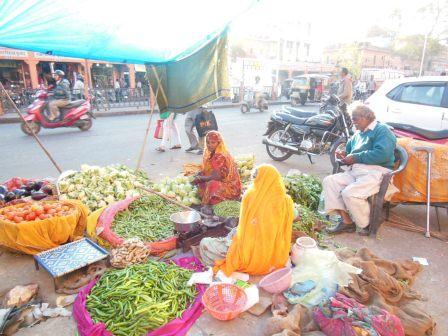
(291, 131)
(75, 114)
(249, 102)
(409, 131)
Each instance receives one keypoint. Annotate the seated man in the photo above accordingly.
(369, 154)
(61, 94)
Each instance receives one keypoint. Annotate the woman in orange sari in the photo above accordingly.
(219, 179)
(263, 237)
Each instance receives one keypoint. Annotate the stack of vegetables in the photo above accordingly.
(19, 188)
(179, 188)
(97, 186)
(227, 209)
(32, 211)
(245, 165)
(140, 298)
(147, 218)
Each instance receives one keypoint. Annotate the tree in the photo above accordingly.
(410, 47)
(349, 56)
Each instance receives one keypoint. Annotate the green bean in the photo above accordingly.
(140, 298)
(147, 218)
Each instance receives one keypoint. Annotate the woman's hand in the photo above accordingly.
(198, 179)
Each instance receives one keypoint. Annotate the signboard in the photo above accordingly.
(12, 53)
(39, 55)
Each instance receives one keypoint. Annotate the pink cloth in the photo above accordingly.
(176, 327)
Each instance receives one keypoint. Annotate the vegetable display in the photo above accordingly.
(140, 298)
(132, 251)
(304, 189)
(227, 209)
(245, 165)
(147, 218)
(97, 186)
(20, 188)
(34, 211)
(179, 188)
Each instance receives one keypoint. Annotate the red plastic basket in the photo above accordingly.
(224, 301)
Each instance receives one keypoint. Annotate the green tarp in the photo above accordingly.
(193, 81)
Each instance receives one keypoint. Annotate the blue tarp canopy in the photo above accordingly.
(130, 31)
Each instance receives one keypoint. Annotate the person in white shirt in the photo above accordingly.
(117, 88)
(78, 87)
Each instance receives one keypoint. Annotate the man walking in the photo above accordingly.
(371, 86)
(61, 95)
(345, 91)
(189, 129)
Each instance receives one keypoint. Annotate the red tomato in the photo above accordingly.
(18, 219)
(43, 216)
(31, 216)
(51, 211)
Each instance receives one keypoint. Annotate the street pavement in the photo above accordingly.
(119, 139)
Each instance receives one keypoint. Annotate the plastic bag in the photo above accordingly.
(158, 134)
(40, 235)
(177, 327)
(104, 228)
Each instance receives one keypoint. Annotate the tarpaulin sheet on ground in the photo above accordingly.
(134, 31)
(412, 181)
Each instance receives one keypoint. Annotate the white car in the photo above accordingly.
(418, 101)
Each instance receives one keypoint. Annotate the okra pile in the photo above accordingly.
(140, 298)
(147, 218)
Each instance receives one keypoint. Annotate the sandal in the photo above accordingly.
(176, 147)
(160, 149)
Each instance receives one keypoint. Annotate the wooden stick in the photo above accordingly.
(30, 129)
(142, 150)
(169, 199)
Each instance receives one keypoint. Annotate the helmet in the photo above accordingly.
(59, 73)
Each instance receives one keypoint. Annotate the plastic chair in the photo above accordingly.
(379, 209)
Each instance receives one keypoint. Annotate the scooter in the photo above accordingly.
(249, 102)
(409, 131)
(75, 114)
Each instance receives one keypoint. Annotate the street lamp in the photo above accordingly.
(423, 54)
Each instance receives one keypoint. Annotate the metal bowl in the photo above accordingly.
(185, 221)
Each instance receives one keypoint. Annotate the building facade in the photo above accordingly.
(28, 70)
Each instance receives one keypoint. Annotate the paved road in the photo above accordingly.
(118, 140)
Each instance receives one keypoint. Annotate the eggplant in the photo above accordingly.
(3, 190)
(38, 195)
(47, 189)
(10, 196)
(2, 198)
(19, 192)
(30, 186)
(38, 185)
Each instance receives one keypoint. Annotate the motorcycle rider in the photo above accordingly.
(345, 90)
(258, 91)
(61, 95)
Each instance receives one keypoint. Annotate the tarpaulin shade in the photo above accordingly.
(131, 31)
(193, 81)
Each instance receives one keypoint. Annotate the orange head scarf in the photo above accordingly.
(220, 149)
(263, 238)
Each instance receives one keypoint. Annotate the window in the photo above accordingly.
(394, 93)
(374, 60)
(425, 94)
(307, 48)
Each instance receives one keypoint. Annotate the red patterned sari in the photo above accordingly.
(229, 185)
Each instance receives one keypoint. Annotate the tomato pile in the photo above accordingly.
(34, 211)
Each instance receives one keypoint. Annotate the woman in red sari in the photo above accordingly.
(219, 179)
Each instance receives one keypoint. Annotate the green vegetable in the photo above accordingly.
(140, 298)
(179, 188)
(308, 220)
(304, 190)
(97, 186)
(227, 209)
(147, 218)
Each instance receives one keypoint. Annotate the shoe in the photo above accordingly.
(200, 152)
(188, 150)
(341, 227)
(160, 149)
(176, 147)
(363, 231)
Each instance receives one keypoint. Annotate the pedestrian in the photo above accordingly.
(139, 88)
(189, 129)
(78, 87)
(117, 88)
(345, 91)
(204, 123)
(371, 85)
(170, 132)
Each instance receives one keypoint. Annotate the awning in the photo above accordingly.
(158, 32)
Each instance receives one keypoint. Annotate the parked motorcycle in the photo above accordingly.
(409, 131)
(75, 114)
(249, 102)
(291, 131)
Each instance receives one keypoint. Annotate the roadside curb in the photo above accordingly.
(12, 119)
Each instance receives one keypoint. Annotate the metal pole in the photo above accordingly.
(30, 129)
(428, 195)
(423, 55)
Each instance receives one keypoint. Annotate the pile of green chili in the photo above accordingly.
(140, 298)
(147, 218)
